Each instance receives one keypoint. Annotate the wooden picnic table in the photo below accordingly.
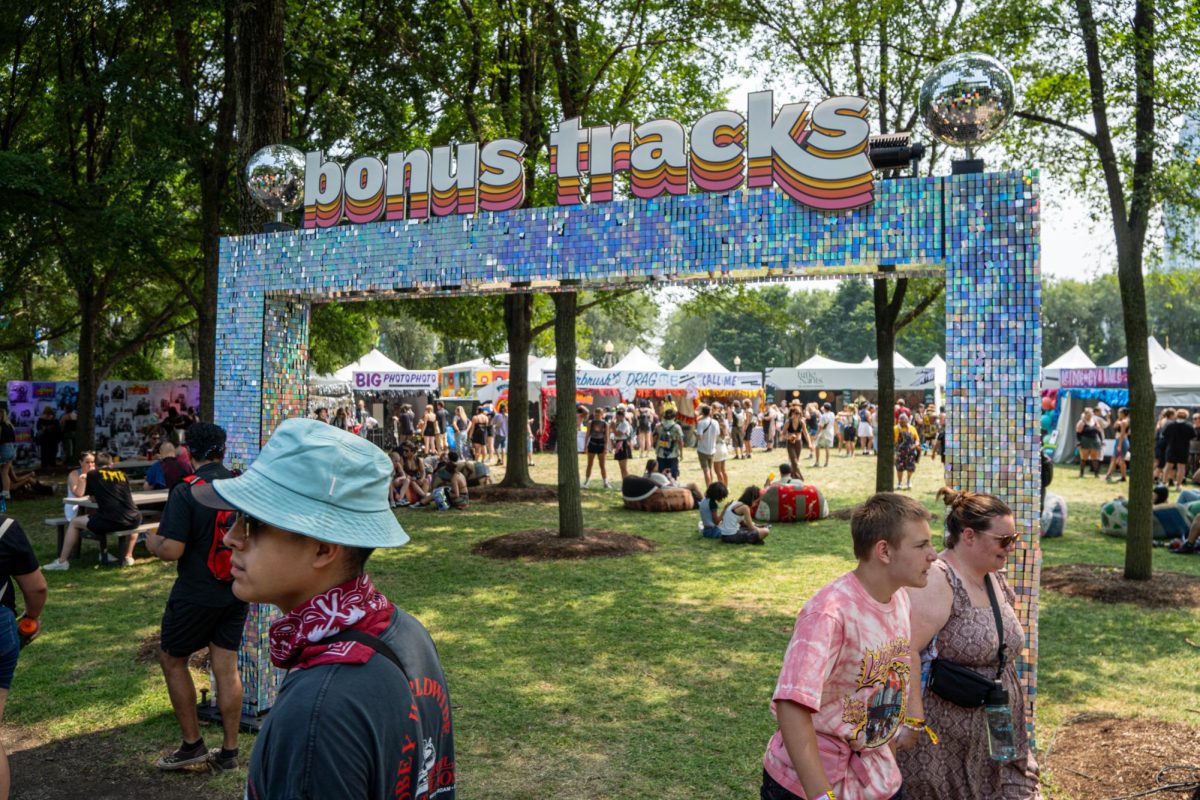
(131, 463)
(156, 497)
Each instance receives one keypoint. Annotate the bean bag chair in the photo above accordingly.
(790, 503)
(671, 498)
(1054, 516)
(1169, 521)
(1114, 517)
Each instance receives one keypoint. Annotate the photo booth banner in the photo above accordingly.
(396, 381)
(123, 410)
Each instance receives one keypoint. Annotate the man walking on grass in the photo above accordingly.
(841, 693)
(202, 610)
(364, 711)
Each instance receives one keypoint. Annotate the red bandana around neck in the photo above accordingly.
(355, 604)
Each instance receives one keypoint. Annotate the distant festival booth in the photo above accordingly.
(781, 192)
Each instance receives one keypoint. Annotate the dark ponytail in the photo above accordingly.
(974, 510)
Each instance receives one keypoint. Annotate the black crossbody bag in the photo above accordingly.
(961, 685)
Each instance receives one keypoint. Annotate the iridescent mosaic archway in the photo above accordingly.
(981, 230)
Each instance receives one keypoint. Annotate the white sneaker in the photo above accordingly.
(908, 485)
(56, 566)
(108, 559)
(128, 561)
(585, 483)
(607, 485)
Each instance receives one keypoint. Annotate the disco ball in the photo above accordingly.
(275, 178)
(967, 99)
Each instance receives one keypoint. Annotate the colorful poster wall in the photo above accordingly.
(124, 409)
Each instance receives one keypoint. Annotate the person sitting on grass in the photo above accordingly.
(449, 486)
(1192, 543)
(710, 515)
(109, 489)
(737, 522)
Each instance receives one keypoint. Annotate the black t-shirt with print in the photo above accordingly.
(16, 558)
(110, 489)
(365, 731)
(185, 520)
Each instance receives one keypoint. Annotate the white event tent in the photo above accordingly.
(705, 362)
(820, 372)
(1074, 358)
(636, 360)
(373, 361)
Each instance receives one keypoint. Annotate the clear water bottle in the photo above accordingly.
(999, 721)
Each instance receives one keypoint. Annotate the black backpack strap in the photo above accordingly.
(991, 593)
(373, 642)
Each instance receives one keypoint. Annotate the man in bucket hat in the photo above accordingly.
(364, 711)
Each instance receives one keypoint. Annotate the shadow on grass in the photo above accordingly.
(99, 766)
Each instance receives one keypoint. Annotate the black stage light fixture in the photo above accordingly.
(895, 151)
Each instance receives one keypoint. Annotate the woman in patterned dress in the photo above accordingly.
(908, 447)
(952, 619)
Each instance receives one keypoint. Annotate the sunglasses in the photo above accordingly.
(1004, 541)
(247, 522)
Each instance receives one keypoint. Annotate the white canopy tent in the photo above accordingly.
(897, 361)
(705, 362)
(1176, 384)
(818, 361)
(636, 360)
(373, 361)
(1074, 358)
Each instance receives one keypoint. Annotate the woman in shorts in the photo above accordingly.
(645, 428)
(622, 449)
(1090, 430)
(721, 453)
(429, 429)
(597, 445)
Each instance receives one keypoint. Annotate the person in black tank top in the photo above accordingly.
(597, 445)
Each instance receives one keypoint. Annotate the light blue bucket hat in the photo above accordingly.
(316, 480)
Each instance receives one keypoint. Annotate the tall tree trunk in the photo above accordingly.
(261, 110)
(85, 433)
(570, 507)
(1140, 535)
(886, 311)
(214, 186)
(518, 318)
(27, 365)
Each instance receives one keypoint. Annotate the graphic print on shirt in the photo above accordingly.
(429, 758)
(879, 715)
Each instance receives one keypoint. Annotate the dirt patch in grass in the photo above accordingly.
(93, 766)
(1106, 584)
(147, 653)
(504, 494)
(544, 544)
(1101, 756)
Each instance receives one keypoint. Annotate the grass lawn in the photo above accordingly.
(640, 677)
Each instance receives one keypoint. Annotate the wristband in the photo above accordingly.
(918, 725)
(829, 795)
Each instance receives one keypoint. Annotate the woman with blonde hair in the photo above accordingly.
(963, 619)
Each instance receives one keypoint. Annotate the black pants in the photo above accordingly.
(771, 790)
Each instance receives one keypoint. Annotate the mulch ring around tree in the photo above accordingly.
(503, 494)
(1097, 756)
(1107, 584)
(147, 653)
(544, 544)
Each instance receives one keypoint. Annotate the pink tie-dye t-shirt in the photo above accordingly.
(848, 664)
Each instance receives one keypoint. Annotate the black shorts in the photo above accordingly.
(622, 451)
(104, 526)
(596, 447)
(187, 627)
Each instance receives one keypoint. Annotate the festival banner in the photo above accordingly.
(407, 381)
(1093, 378)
